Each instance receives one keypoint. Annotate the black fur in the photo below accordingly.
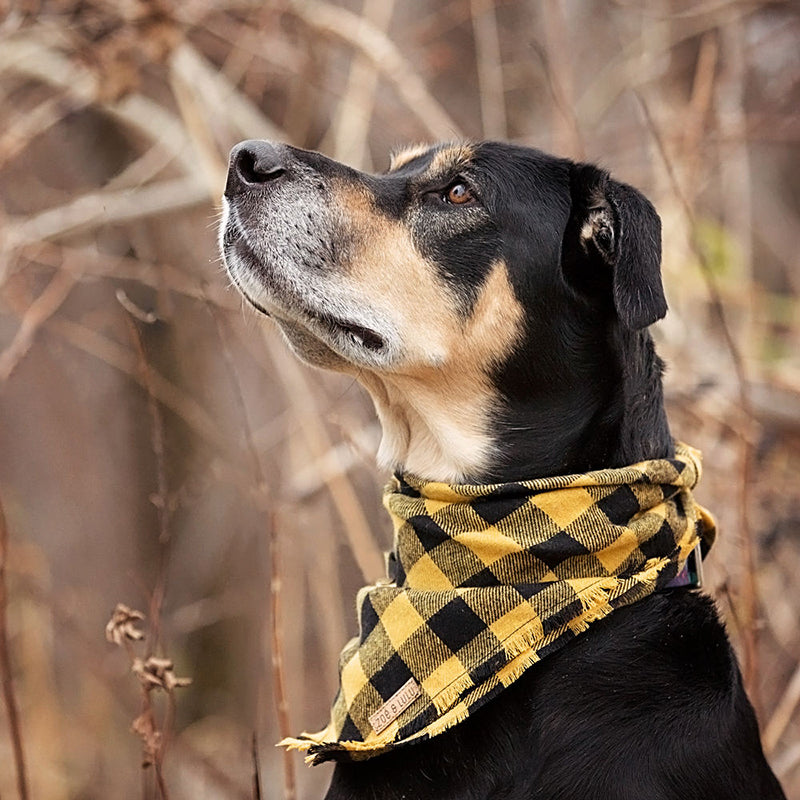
(649, 702)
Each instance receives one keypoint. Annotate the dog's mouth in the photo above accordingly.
(357, 334)
(332, 327)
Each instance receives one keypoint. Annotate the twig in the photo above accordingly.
(278, 672)
(387, 58)
(785, 763)
(103, 208)
(256, 768)
(148, 317)
(185, 406)
(142, 169)
(161, 502)
(22, 130)
(700, 101)
(749, 590)
(490, 69)
(217, 92)
(558, 68)
(210, 163)
(161, 497)
(88, 261)
(9, 697)
(338, 460)
(782, 715)
(616, 76)
(34, 57)
(354, 111)
(39, 311)
(345, 500)
(113, 354)
(284, 725)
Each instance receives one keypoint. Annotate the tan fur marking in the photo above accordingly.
(435, 400)
(450, 158)
(406, 155)
(435, 407)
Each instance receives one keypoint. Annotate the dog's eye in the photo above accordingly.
(459, 194)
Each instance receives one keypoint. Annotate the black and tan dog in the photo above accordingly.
(494, 302)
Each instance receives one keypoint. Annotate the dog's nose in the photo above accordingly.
(255, 163)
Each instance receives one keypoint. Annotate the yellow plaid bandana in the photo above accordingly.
(486, 580)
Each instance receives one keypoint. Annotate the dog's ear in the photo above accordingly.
(616, 224)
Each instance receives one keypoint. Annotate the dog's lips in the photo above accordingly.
(332, 327)
(360, 335)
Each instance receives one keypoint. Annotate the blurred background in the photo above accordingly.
(160, 448)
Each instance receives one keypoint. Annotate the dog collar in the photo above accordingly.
(486, 580)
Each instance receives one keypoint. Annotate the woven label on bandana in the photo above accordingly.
(486, 580)
(394, 706)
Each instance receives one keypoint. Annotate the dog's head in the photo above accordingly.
(468, 281)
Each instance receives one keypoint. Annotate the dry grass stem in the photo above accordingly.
(490, 69)
(39, 311)
(210, 164)
(9, 696)
(256, 793)
(277, 661)
(344, 497)
(113, 354)
(383, 53)
(96, 209)
(748, 591)
(244, 116)
(348, 135)
(565, 128)
(160, 499)
(783, 713)
(154, 672)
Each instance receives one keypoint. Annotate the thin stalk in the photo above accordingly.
(9, 697)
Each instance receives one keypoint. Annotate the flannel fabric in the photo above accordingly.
(486, 580)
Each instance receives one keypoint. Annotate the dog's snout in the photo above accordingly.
(255, 163)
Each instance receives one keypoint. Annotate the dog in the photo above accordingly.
(494, 301)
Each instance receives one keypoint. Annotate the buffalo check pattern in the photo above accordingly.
(486, 580)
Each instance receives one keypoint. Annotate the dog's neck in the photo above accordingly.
(435, 430)
(608, 415)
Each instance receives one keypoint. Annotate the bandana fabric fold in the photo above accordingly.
(486, 580)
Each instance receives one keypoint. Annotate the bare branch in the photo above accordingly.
(490, 69)
(186, 407)
(354, 112)
(31, 56)
(95, 209)
(345, 499)
(278, 668)
(221, 97)
(749, 587)
(782, 715)
(9, 698)
(39, 311)
(387, 58)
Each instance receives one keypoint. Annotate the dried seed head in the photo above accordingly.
(158, 673)
(145, 726)
(122, 625)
